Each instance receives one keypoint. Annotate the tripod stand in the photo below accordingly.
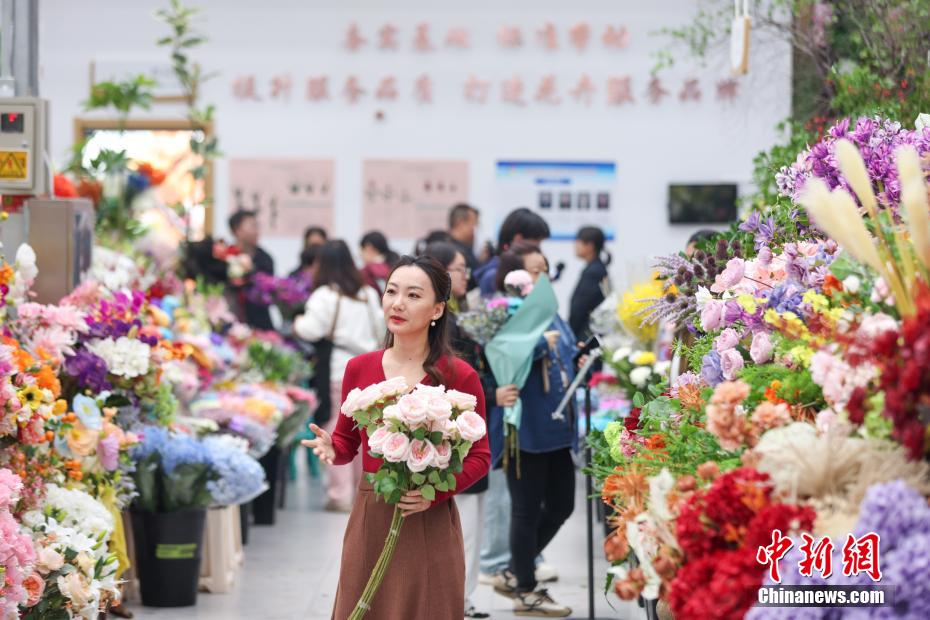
(582, 379)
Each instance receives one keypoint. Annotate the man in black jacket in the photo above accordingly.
(244, 227)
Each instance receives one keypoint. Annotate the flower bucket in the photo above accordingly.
(245, 518)
(168, 553)
(263, 506)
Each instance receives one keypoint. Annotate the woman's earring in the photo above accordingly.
(432, 324)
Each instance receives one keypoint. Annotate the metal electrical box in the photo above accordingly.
(23, 146)
(61, 231)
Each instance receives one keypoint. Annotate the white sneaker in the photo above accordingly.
(505, 583)
(539, 604)
(546, 573)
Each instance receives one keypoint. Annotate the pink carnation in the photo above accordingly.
(769, 415)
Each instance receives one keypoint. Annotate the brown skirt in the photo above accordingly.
(426, 578)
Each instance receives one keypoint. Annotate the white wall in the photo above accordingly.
(652, 145)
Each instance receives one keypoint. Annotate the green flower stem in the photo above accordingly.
(380, 569)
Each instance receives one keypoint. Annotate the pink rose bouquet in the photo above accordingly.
(422, 437)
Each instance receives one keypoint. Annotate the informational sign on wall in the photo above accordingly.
(567, 194)
(287, 194)
(408, 198)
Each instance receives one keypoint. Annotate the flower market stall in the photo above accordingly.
(796, 437)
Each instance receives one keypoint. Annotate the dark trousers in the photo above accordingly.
(542, 498)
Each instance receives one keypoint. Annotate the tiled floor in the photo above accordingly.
(291, 570)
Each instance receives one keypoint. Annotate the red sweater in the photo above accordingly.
(367, 369)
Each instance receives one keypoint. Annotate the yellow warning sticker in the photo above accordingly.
(14, 165)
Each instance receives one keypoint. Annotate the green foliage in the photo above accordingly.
(797, 385)
(123, 96)
(866, 57)
(701, 347)
(277, 363)
(180, 42)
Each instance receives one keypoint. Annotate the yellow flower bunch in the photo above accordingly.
(632, 305)
(645, 358)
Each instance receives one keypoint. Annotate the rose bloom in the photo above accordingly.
(391, 387)
(82, 441)
(34, 585)
(443, 455)
(727, 339)
(396, 448)
(74, 586)
(413, 409)
(392, 412)
(422, 455)
(471, 426)
(48, 560)
(729, 277)
(438, 409)
(377, 439)
(761, 348)
(712, 315)
(350, 405)
(731, 362)
(461, 400)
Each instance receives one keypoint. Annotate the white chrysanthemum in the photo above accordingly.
(125, 357)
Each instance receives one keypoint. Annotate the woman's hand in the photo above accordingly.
(413, 502)
(507, 395)
(322, 445)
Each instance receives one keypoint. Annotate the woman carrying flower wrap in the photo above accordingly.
(426, 578)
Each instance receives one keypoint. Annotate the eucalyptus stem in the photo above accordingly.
(381, 566)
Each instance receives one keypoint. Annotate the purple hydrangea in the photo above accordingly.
(895, 511)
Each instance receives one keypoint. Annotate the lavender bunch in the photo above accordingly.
(683, 278)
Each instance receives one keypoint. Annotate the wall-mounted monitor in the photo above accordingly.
(702, 204)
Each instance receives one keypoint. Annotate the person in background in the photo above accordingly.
(541, 473)
(463, 222)
(520, 225)
(378, 260)
(589, 292)
(670, 332)
(434, 236)
(315, 236)
(244, 227)
(495, 551)
(699, 236)
(470, 502)
(347, 313)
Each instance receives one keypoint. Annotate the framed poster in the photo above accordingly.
(567, 194)
(287, 194)
(408, 198)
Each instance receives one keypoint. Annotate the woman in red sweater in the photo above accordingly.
(426, 578)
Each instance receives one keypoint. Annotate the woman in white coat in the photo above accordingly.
(345, 312)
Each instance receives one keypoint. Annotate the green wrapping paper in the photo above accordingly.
(510, 352)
